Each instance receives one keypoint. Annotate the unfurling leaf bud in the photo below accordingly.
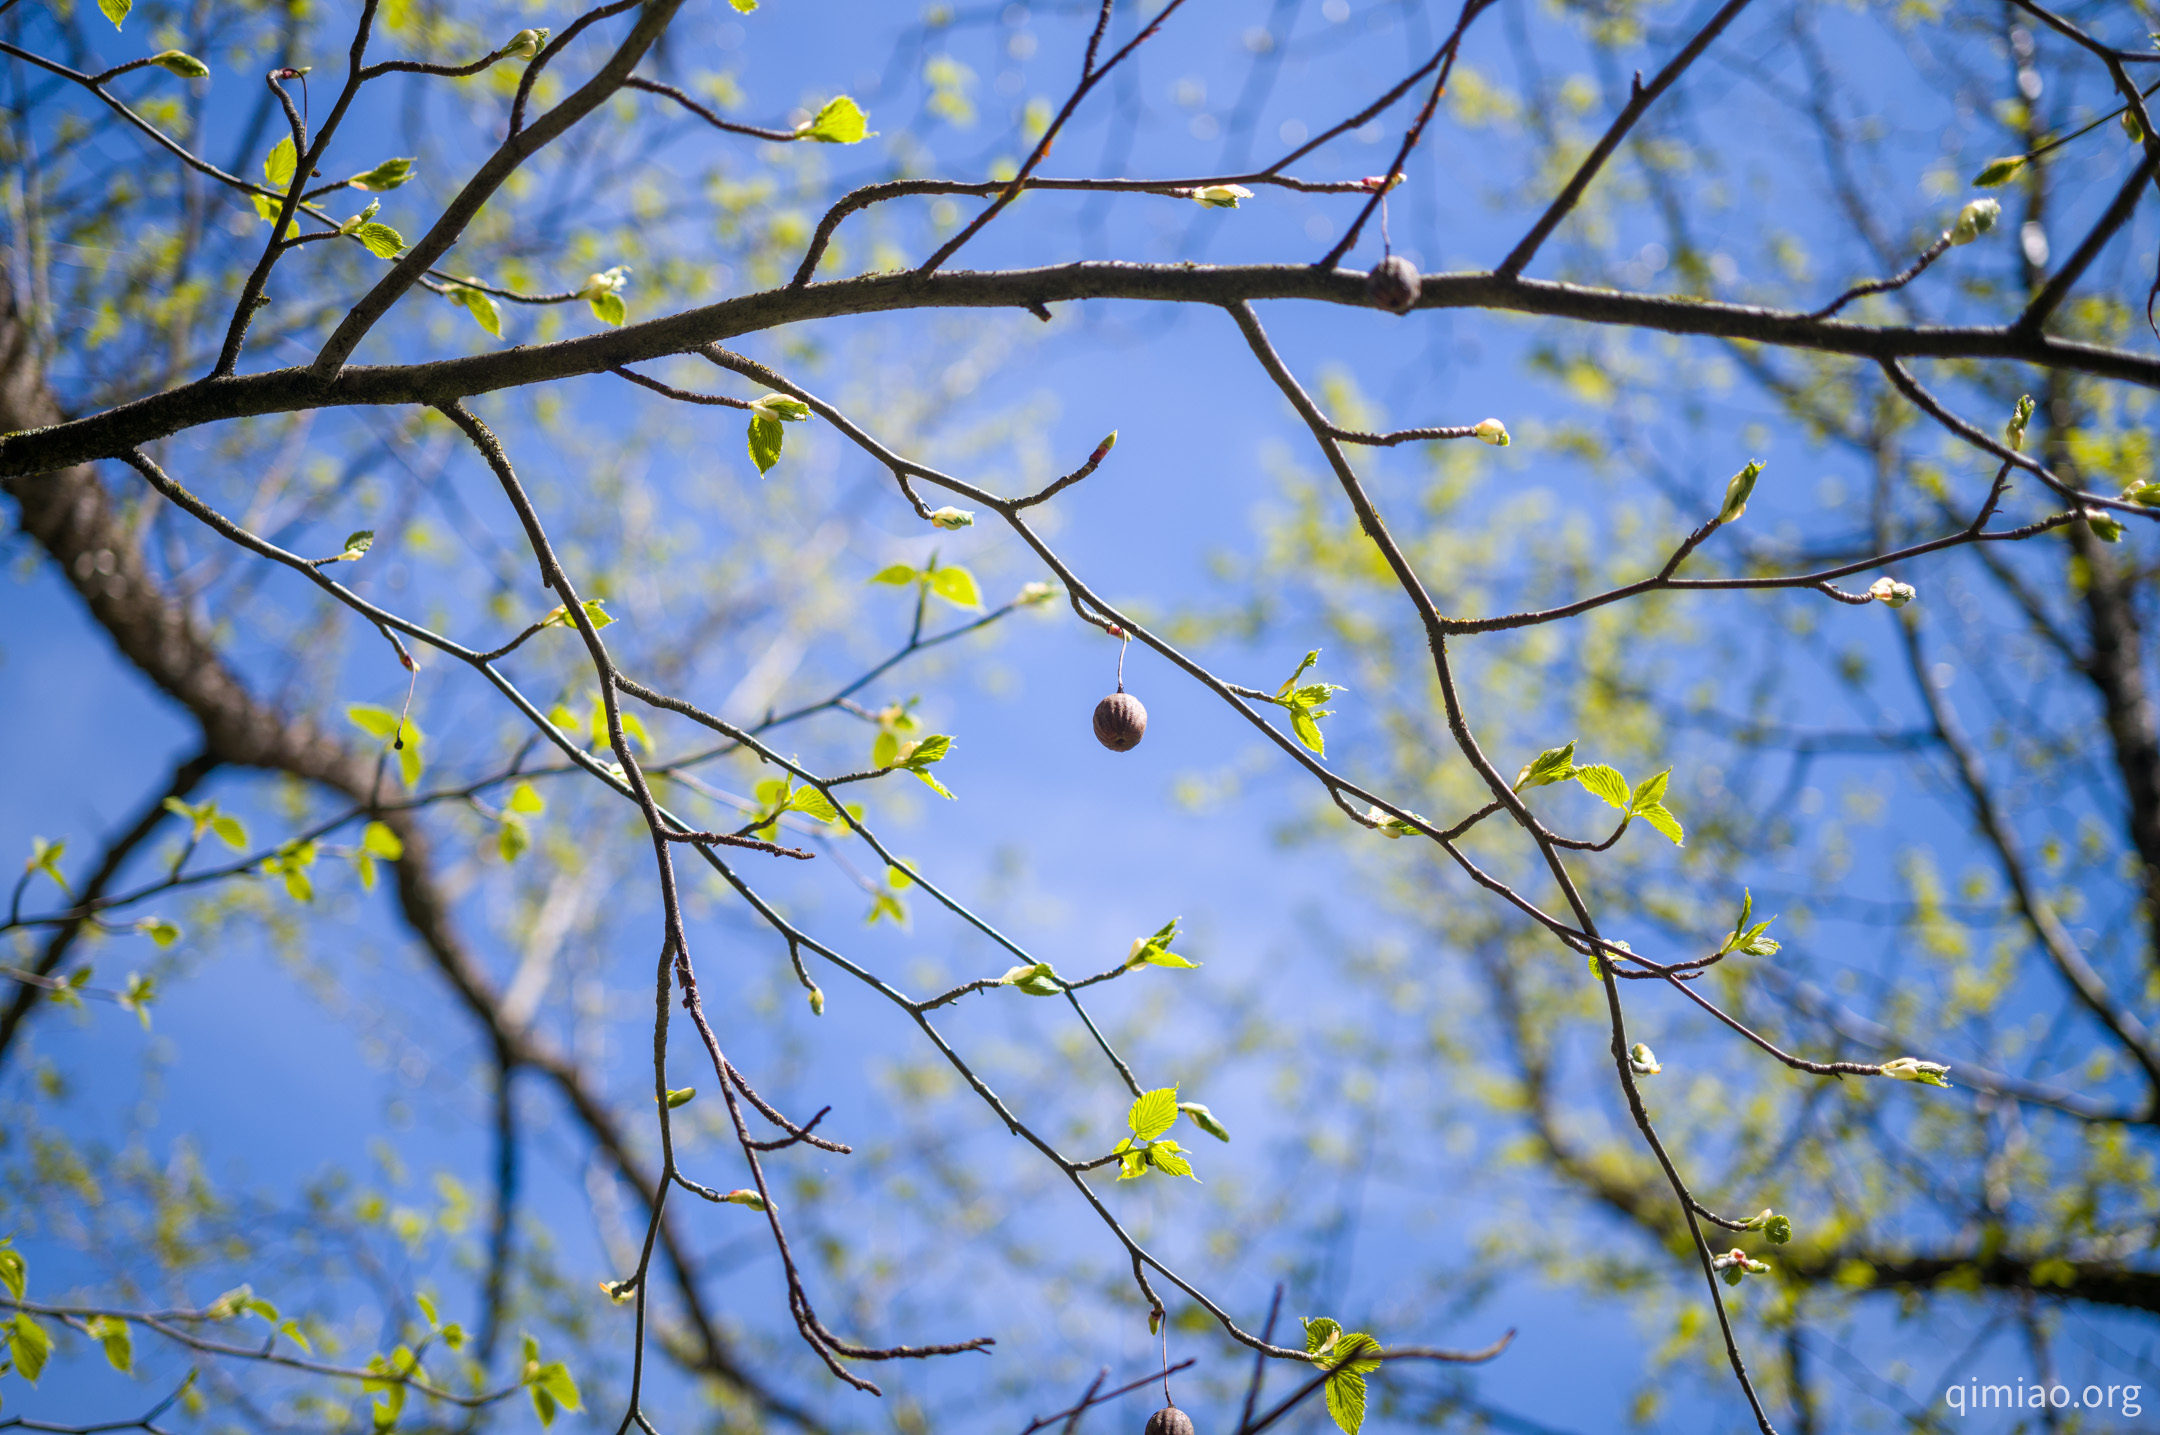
(524, 45)
(745, 1197)
(1102, 450)
(1388, 823)
(950, 517)
(1037, 980)
(1036, 595)
(1974, 220)
(1891, 593)
(1778, 1229)
(780, 406)
(1999, 171)
(1492, 431)
(2146, 495)
(1154, 1327)
(1220, 196)
(1643, 1061)
(680, 1096)
(1120, 722)
(1907, 1068)
(1737, 491)
(2132, 128)
(2020, 416)
(1203, 1118)
(181, 63)
(2106, 529)
(1394, 285)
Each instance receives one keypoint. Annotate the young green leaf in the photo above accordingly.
(1604, 783)
(525, 798)
(1555, 764)
(279, 164)
(956, 586)
(1155, 950)
(112, 1332)
(680, 1096)
(479, 305)
(1153, 1113)
(115, 10)
(28, 1345)
(382, 841)
(744, 7)
(1168, 1157)
(381, 240)
(766, 437)
(899, 575)
(1660, 817)
(813, 803)
(158, 930)
(386, 176)
(917, 758)
(839, 121)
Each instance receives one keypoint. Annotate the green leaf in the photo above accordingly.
(781, 407)
(229, 831)
(608, 308)
(427, 1310)
(885, 904)
(511, 839)
(376, 722)
(899, 575)
(1603, 782)
(839, 121)
(556, 1378)
(956, 586)
(1169, 1158)
(479, 305)
(1153, 1114)
(766, 437)
(279, 165)
(380, 839)
(112, 1332)
(158, 930)
(680, 1096)
(29, 1346)
(45, 857)
(181, 63)
(381, 240)
(744, 7)
(115, 10)
(357, 543)
(524, 798)
(386, 176)
(1658, 816)
(1778, 1229)
(1555, 764)
(1999, 171)
(1320, 1334)
(813, 803)
(14, 1271)
(1649, 792)
(1203, 1118)
(931, 749)
(1346, 1401)
(1308, 731)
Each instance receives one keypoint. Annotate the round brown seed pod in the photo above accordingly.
(1394, 284)
(1120, 722)
(1169, 1421)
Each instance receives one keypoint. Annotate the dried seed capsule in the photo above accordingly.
(1169, 1421)
(1120, 722)
(1394, 284)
